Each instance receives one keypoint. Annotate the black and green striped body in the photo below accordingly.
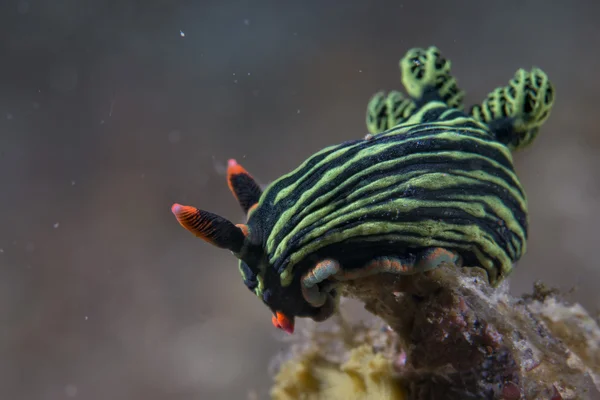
(431, 184)
(438, 180)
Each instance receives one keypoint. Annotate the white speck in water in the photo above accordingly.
(248, 73)
(181, 33)
(360, 70)
(246, 22)
(71, 390)
(9, 116)
(86, 317)
(1, 250)
(234, 74)
(298, 112)
(235, 81)
(56, 225)
(72, 183)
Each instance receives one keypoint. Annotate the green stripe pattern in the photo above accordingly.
(439, 179)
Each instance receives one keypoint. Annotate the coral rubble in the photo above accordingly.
(450, 336)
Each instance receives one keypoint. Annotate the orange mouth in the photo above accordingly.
(282, 322)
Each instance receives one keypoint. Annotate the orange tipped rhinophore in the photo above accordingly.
(233, 168)
(210, 227)
(183, 213)
(242, 185)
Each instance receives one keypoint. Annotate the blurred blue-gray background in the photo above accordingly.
(110, 111)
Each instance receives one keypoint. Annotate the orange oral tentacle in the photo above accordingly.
(285, 323)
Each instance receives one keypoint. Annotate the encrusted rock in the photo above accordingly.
(452, 336)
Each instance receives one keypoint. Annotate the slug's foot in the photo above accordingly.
(426, 76)
(385, 112)
(329, 308)
(318, 283)
(516, 112)
(435, 257)
(312, 283)
(423, 261)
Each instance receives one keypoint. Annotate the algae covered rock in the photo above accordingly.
(450, 336)
(366, 375)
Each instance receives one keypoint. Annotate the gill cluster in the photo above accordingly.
(514, 112)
